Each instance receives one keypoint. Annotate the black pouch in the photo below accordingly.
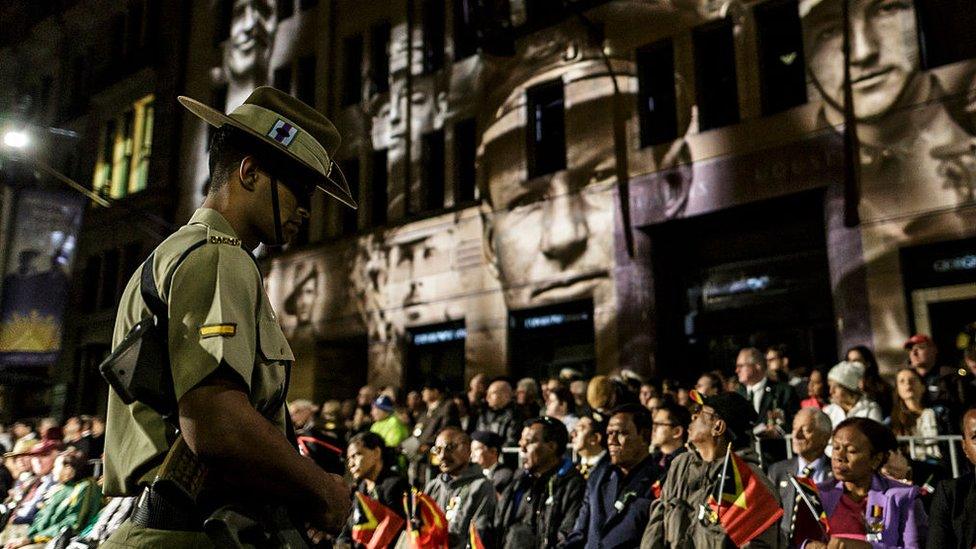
(138, 368)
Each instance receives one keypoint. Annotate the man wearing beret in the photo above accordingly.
(227, 355)
(486, 451)
(720, 420)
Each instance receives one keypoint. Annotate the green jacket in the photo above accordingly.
(74, 504)
(391, 430)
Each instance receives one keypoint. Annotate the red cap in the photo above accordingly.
(916, 339)
(43, 448)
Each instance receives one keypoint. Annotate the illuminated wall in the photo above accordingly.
(560, 234)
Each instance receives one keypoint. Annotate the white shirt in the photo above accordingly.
(592, 460)
(757, 391)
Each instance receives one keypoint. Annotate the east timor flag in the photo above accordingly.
(747, 508)
(426, 523)
(376, 525)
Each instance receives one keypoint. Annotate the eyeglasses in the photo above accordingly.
(446, 449)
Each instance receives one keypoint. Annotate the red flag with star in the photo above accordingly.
(747, 508)
(426, 523)
(375, 524)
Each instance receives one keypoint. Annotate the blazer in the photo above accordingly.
(776, 395)
(904, 519)
(951, 522)
(614, 519)
(779, 474)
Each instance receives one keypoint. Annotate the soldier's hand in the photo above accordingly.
(337, 501)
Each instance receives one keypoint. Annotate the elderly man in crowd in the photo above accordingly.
(619, 495)
(461, 489)
(501, 416)
(722, 421)
(590, 444)
(811, 434)
(540, 506)
(486, 451)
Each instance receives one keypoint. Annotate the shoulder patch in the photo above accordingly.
(218, 239)
(218, 330)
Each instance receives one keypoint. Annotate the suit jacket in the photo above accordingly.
(779, 474)
(777, 395)
(614, 518)
(905, 524)
(951, 522)
(501, 477)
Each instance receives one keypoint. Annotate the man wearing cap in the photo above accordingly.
(941, 383)
(386, 424)
(228, 357)
(300, 303)
(486, 451)
(34, 489)
(720, 420)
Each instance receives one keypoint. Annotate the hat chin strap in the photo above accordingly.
(279, 237)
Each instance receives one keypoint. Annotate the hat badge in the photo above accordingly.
(283, 132)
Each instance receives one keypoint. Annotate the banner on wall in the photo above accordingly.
(36, 276)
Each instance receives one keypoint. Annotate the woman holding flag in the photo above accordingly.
(377, 517)
(864, 508)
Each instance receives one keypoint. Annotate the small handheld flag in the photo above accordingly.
(746, 507)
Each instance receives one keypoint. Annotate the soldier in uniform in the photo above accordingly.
(228, 357)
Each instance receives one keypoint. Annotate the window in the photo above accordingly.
(352, 59)
(350, 217)
(380, 195)
(465, 34)
(433, 22)
(465, 144)
(782, 76)
(656, 97)
(715, 76)
(546, 129)
(286, 8)
(379, 57)
(433, 170)
(125, 147)
(945, 31)
(282, 78)
(305, 80)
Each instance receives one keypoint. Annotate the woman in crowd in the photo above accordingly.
(817, 396)
(73, 504)
(370, 463)
(846, 398)
(910, 416)
(863, 505)
(873, 385)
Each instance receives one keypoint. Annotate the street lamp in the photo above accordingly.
(16, 139)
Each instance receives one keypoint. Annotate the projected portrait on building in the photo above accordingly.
(909, 141)
(247, 51)
(549, 236)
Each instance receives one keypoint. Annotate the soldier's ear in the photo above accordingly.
(248, 173)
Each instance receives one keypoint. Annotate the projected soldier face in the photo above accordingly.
(884, 52)
(252, 29)
(551, 237)
(305, 301)
(426, 108)
(420, 271)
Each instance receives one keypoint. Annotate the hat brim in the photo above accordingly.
(218, 119)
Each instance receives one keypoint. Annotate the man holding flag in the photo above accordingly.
(716, 495)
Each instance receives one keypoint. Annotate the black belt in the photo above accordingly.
(161, 511)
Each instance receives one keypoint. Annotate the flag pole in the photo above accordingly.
(721, 484)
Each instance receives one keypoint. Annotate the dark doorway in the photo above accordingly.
(342, 368)
(436, 350)
(543, 340)
(949, 321)
(753, 275)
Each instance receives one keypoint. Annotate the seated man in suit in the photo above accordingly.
(618, 495)
(774, 402)
(486, 451)
(811, 433)
(952, 521)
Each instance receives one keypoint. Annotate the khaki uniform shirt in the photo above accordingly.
(218, 313)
